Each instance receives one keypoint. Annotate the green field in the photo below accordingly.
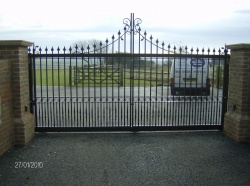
(61, 77)
(52, 77)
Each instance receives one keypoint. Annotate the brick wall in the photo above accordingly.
(17, 126)
(6, 127)
(237, 119)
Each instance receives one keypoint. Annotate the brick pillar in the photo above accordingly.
(6, 107)
(237, 119)
(16, 52)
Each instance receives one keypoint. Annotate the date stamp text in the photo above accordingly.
(28, 165)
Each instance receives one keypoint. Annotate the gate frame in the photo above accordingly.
(131, 27)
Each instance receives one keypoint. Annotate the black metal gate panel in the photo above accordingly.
(132, 82)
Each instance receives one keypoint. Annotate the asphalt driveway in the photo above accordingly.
(153, 158)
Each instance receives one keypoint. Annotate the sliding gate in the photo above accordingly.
(129, 82)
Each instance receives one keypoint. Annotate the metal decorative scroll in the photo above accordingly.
(132, 25)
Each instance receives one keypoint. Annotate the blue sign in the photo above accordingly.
(196, 62)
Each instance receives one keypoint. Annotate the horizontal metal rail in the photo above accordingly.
(110, 55)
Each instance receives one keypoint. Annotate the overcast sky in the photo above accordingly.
(194, 23)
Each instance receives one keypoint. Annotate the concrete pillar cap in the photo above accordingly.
(15, 43)
(239, 46)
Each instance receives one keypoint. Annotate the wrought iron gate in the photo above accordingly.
(129, 83)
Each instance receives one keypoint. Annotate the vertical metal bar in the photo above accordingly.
(100, 97)
(179, 97)
(76, 122)
(156, 84)
(174, 92)
(106, 87)
(41, 85)
(94, 93)
(208, 81)
(144, 75)
(95, 73)
(59, 93)
(132, 26)
(168, 99)
(162, 85)
(190, 98)
(196, 85)
(70, 109)
(119, 77)
(112, 81)
(47, 91)
(89, 98)
(53, 89)
(150, 88)
(139, 78)
(125, 65)
(202, 91)
(86, 113)
(213, 93)
(185, 92)
(83, 98)
(65, 97)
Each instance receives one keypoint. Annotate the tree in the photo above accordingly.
(92, 44)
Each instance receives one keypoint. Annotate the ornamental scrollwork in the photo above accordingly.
(129, 23)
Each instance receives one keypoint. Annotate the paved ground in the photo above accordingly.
(164, 158)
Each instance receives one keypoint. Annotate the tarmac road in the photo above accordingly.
(134, 158)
